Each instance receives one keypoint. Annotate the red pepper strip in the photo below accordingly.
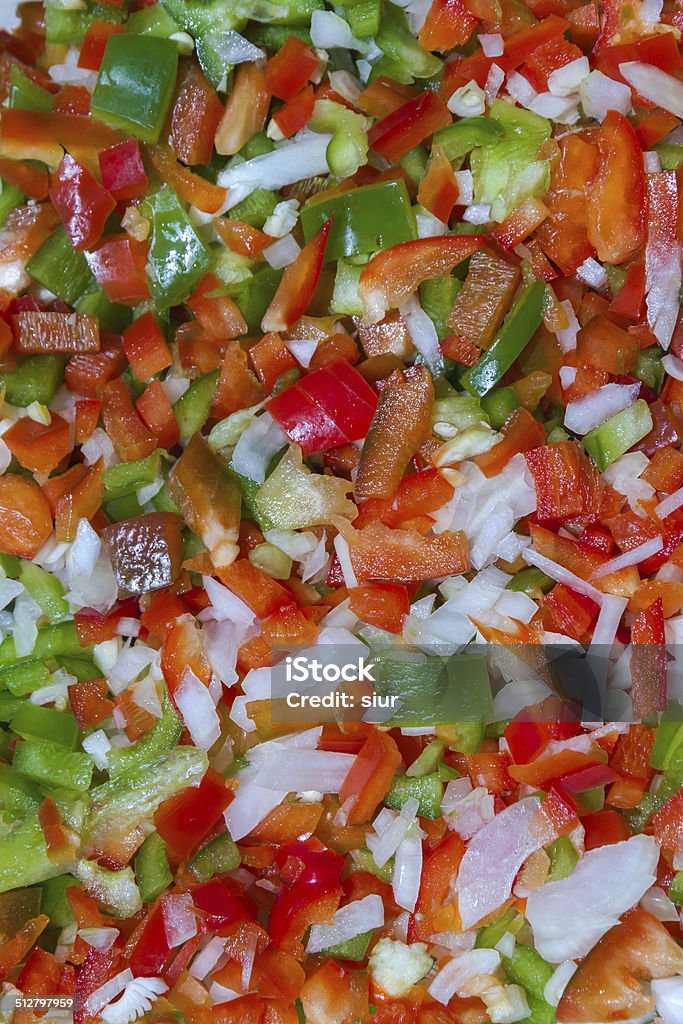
(222, 904)
(394, 274)
(292, 117)
(90, 703)
(131, 439)
(81, 202)
(438, 191)
(448, 24)
(217, 313)
(32, 180)
(122, 170)
(372, 772)
(549, 57)
(39, 447)
(197, 191)
(607, 982)
(520, 222)
(604, 828)
(404, 555)
(291, 68)
(311, 893)
(151, 951)
(156, 412)
(567, 482)
(45, 128)
(65, 333)
(435, 907)
(568, 770)
(648, 662)
(663, 250)
(14, 951)
(95, 43)
(118, 264)
(526, 739)
(298, 283)
(94, 627)
(408, 126)
(326, 408)
(186, 819)
(197, 112)
(629, 300)
(616, 200)
(661, 50)
(567, 611)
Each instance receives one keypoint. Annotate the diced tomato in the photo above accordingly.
(82, 203)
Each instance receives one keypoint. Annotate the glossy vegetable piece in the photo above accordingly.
(364, 219)
(380, 553)
(448, 25)
(177, 256)
(246, 110)
(118, 265)
(123, 173)
(156, 412)
(435, 909)
(518, 329)
(393, 275)
(194, 189)
(611, 439)
(384, 605)
(185, 820)
(401, 424)
(63, 333)
(217, 313)
(439, 191)
(37, 446)
(298, 284)
(411, 124)
(616, 197)
(146, 551)
(25, 521)
(484, 298)
(209, 499)
(568, 485)
(196, 113)
(370, 776)
(608, 981)
(128, 434)
(288, 71)
(310, 896)
(135, 84)
(145, 347)
(82, 203)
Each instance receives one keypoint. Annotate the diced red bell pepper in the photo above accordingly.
(82, 203)
(311, 893)
(196, 114)
(394, 274)
(520, 223)
(156, 412)
(87, 418)
(326, 408)
(145, 347)
(263, 594)
(25, 516)
(298, 284)
(60, 841)
(384, 605)
(435, 908)
(31, 180)
(270, 358)
(527, 738)
(87, 372)
(15, 949)
(549, 57)
(95, 43)
(370, 775)
(660, 50)
(630, 299)
(241, 237)
(222, 904)
(39, 447)
(605, 828)
(448, 24)
(63, 333)
(560, 811)
(90, 703)
(185, 820)
(654, 126)
(183, 648)
(80, 502)
(616, 198)
(130, 437)
(151, 951)
(438, 191)
(94, 627)
(408, 126)
(246, 110)
(649, 662)
(122, 170)
(568, 612)
(666, 825)
(217, 313)
(119, 265)
(291, 68)
(40, 976)
(521, 433)
(568, 770)
(237, 386)
(568, 485)
(194, 189)
(296, 112)
(404, 555)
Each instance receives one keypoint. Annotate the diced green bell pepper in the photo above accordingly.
(135, 84)
(426, 789)
(219, 856)
(52, 642)
(365, 219)
(346, 299)
(517, 331)
(675, 892)
(256, 208)
(531, 581)
(437, 297)
(24, 677)
(347, 150)
(23, 857)
(161, 739)
(178, 258)
(49, 764)
(254, 299)
(499, 404)
(60, 269)
(117, 890)
(363, 18)
(460, 138)
(563, 858)
(152, 871)
(606, 443)
(127, 477)
(490, 935)
(54, 902)
(10, 196)
(46, 590)
(69, 25)
(400, 46)
(152, 21)
(25, 94)
(33, 722)
(193, 407)
(668, 744)
(120, 509)
(112, 315)
(18, 795)
(428, 760)
(463, 737)
(648, 367)
(364, 861)
(10, 565)
(414, 164)
(82, 669)
(351, 949)
(293, 498)
(36, 379)
(670, 155)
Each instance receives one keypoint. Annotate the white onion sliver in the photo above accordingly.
(670, 504)
(103, 995)
(227, 605)
(632, 557)
(283, 252)
(655, 85)
(451, 978)
(491, 43)
(353, 919)
(232, 47)
(408, 869)
(197, 710)
(589, 411)
(558, 573)
(180, 923)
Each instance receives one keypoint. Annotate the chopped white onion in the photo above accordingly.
(605, 883)
(477, 213)
(283, 252)
(262, 439)
(566, 336)
(592, 273)
(492, 860)
(607, 624)
(652, 162)
(453, 976)
(103, 995)
(293, 770)
(329, 31)
(303, 157)
(207, 958)
(655, 85)
(232, 47)
(563, 109)
(565, 81)
(657, 903)
(225, 604)
(197, 710)
(668, 995)
(283, 219)
(137, 1000)
(390, 828)
(349, 921)
(600, 94)
(520, 88)
(491, 43)
(344, 555)
(180, 923)
(468, 101)
(302, 349)
(558, 573)
(465, 187)
(423, 334)
(583, 414)
(632, 557)
(673, 366)
(407, 872)
(494, 81)
(555, 986)
(670, 504)
(97, 745)
(9, 589)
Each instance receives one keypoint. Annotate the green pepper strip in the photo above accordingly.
(612, 439)
(365, 219)
(521, 324)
